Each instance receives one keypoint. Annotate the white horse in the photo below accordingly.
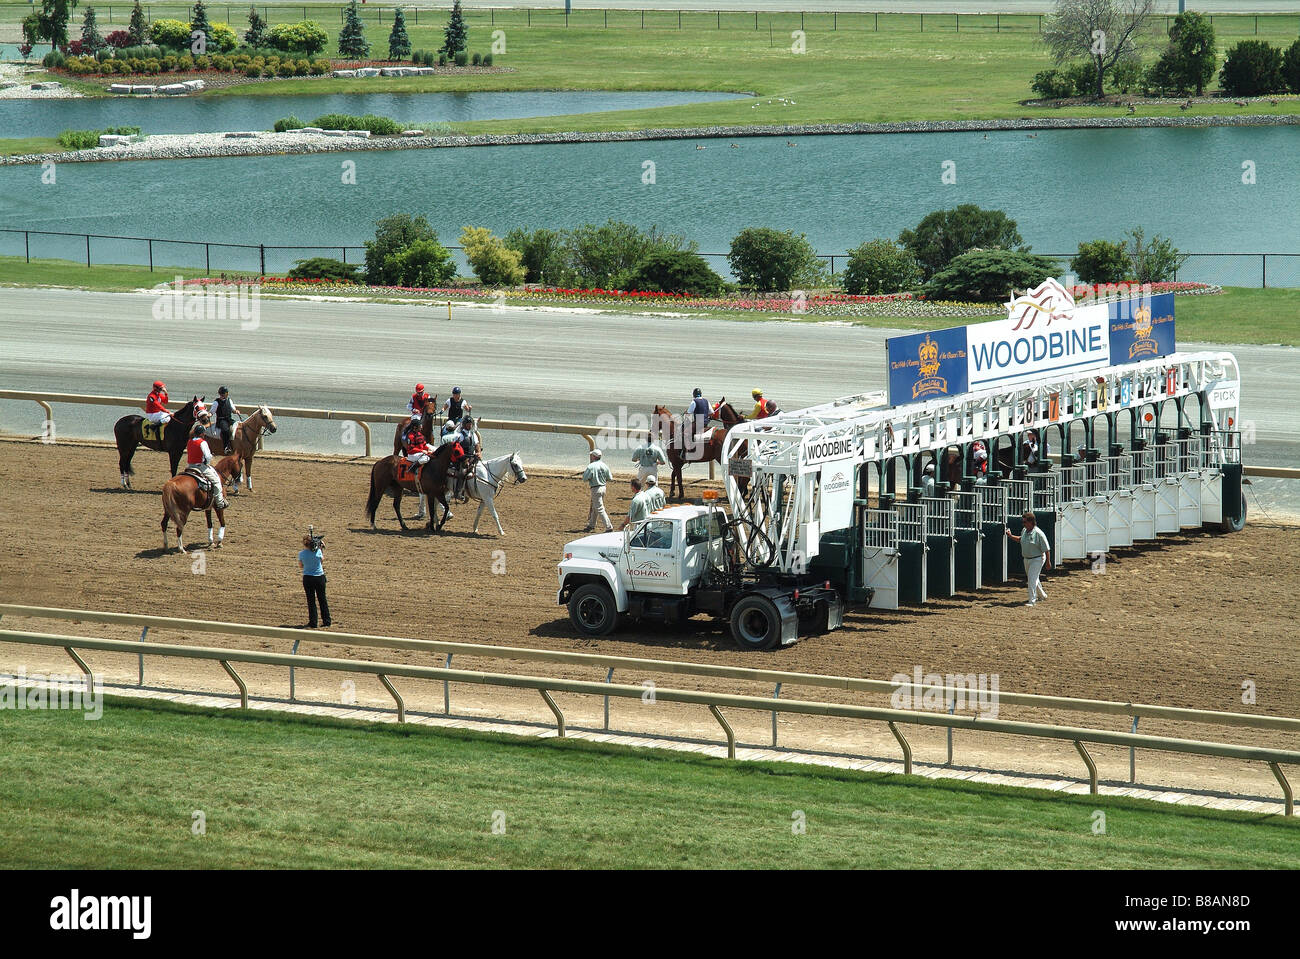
(490, 476)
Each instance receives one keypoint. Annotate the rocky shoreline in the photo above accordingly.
(198, 145)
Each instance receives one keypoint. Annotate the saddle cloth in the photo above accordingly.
(153, 432)
(205, 484)
(406, 472)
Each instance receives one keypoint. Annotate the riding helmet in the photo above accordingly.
(158, 385)
(419, 387)
(222, 391)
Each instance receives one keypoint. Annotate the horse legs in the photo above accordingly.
(221, 528)
(248, 472)
(397, 506)
(490, 502)
(164, 528)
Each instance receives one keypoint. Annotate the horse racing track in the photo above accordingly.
(1185, 621)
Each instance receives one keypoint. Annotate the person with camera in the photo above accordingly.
(311, 560)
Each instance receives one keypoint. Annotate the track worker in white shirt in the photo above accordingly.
(1036, 553)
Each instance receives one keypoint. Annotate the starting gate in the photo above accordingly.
(1071, 517)
(966, 531)
(911, 553)
(880, 556)
(1144, 493)
(1018, 492)
(1189, 479)
(1167, 484)
(1096, 505)
(1214, 446)
(1119, 489)
(992, 502)
(940, 543)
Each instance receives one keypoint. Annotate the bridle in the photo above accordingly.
(499, 483)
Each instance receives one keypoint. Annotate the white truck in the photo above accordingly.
(684, 560)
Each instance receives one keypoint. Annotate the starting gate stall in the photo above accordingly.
(1216, 449)
(1096, 504)
(1119, 493)
(967, 537)
(1167, 484)
(1225, 447)
(911, 553)
(1189, 478)
(1017, 500)
(1071, 518)
(1143, 459)
(880, 556)
(940, 546)
(992, 502)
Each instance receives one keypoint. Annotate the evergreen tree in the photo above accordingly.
(199, 21)
(352, 38)
(136, 30)
(255, 35)
(91, 41)
(399, 44)
(456, 32)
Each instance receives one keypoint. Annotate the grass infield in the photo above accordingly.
(279, 790)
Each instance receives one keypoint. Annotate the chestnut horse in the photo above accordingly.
(678, 453)
(181, 496)
(243, 440)
(434, 481)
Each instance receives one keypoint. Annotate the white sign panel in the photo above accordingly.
(820, 449)
(836, 494)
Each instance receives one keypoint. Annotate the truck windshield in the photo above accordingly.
(656, 534)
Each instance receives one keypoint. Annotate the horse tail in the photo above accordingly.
(376, 494)
(123, 434)
(170, 509)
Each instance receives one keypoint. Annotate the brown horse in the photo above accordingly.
(680, 452)
(243, 440)
(181, 496)
(434, 482)
(430, 415)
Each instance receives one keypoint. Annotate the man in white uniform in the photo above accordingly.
(1036, 553)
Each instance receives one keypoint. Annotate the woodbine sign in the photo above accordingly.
(1045, 333)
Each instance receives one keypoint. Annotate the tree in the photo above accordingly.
(605, 255)
(773, 261)
(393, 236)
(456, 33)
(399, 44)
(494, 263)
(1155, 262)
(880, 266)
(91, 41)
(1291, 67)
(52, 23)
(352, 38)
(137, 29)
(1101, 261)
(255, 35)
(326, 268)
(544, 256)
(945, 234)
(1104, 31)
(424, 263)
(989, 276)
(674, 271)
(199, 22)
(1253, 68)
(1192, 40)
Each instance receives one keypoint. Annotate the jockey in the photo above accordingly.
(762, 408)
(417, 448)
(155, 404)
(413, 429)
(226, 412)
(416, 404)
(464, 453)
(198, 456)
(980, 458)
(455, 407)
(699, 410)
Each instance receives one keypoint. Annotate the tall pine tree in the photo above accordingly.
(399, 44)
(91, 41)
(199, 23)
(456, 32)
(136, 29)
(255, 35)
(352, 38)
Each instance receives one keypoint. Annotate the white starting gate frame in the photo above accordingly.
(1119, 495)
(1071, 516)
(880, 556)
(1096, 506)
(1144, 494)
(1167, 487)
(992, 502)
(940, 546)
(966, 523)
(1189, 481)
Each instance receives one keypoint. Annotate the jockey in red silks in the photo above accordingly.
(155, 404)
(198, 456)
(417, 448)
(463, 451)
(416, 404)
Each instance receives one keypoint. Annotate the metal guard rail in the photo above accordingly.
(545, 686)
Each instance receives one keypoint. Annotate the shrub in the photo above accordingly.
(77, 48)
(379, 126)
(771, 260)
(218, 63)
(881, 266)
(1253, 68)
(326, 268)
(487, 59)
(170, 33)
(1051, 85)
(1291, 67)
(1157, 261)
(945, 234)
(462, 58)
(604, 255)
(1082, 78)
(285, 69)
(423, 263)
(252, 70)
(442, 59)
(304, 37)
(989, 276)
(319, 67)
(187, 62)
(405, 252)
(476, 59)
(1101, 261)
(290, 122)
(494, 263)
(1126, 75)
(152, 65)
(169, 62)
(118, 39)
(674, 271)
(221, 37)
(53, 60)
(86, 139)
(543, 255)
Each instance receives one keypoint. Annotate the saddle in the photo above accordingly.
(407, 472)
(153, 432)
(205, 484)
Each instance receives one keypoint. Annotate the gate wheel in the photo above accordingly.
(756, 623)
(1230, 525)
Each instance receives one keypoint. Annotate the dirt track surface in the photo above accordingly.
(1184, 621)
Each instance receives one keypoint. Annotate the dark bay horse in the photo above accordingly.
(681, 452)
(430, 415)
(434, 482)
(129, 435)
(181, 496)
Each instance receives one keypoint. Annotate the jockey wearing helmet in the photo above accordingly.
(762, 408)
(415, 406)
(198, 456)
(464, 453)
(417, 447)
(155, 404)
(455, 406)
(980, 458)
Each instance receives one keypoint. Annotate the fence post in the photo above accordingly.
(87, 249)
(261, 251)
(1263, 266)
(207, 257)
(150, 255)
(27, 245)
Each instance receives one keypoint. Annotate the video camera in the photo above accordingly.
(317, 539)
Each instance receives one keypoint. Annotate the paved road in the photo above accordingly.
(881, 6)
(517, 364)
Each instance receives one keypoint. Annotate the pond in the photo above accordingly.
(211, 114)
(1062, 187)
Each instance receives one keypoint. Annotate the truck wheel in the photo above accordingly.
(1236, 525)
(592, 610)
(756, 623)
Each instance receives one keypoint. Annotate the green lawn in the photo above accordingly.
(26, 145)
(289, 791)
(847, 74)
(14, 271)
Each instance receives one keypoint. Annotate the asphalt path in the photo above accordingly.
(513, 363)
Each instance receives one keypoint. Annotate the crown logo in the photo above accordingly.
(1142, 322)
(929, 355)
